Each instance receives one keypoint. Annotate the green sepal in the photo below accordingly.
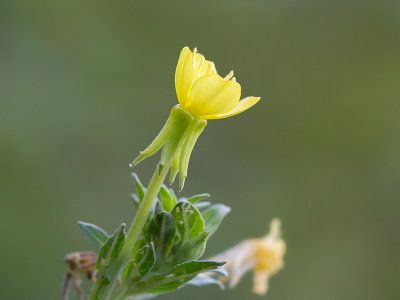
(93, 233)
(175, 166)
(181, 122)
(214, 215)
(187, 149)
(155, 145)
(177, 138)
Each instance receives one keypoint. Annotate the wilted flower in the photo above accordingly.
(203, 92)
(262, 255)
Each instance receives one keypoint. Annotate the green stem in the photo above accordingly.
(144, 209)
(134, 231)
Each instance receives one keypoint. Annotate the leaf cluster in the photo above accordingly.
(166, 256)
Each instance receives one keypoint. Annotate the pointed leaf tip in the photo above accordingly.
(141, 190)
(182, 179)
(94, 234)
(214, 215)
(198, 197)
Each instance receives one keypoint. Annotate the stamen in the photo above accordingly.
(211, 68)
(229, 76)
(197, 64)
(201, 62)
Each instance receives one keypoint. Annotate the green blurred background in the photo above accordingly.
(85, 85)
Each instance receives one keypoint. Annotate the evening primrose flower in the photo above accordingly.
(262, 255)
(202, 95)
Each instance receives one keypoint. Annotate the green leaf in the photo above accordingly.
(198, 197)
(203, 280)
(188, 219)
(202, 204)
(181, 120)
(94, 234)
(181, 274)
(214, 215)
(221, 271)
(163, 233)
(145, 259)
(172, 193)
(111, 250)
(141, 190)
(168, 200)
(139, 244)
(140, 265)
(135, 200)
(190, 250)
(195, 267)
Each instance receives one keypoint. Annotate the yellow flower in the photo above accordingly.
(262, 255)
(203, 92)
(202, 95)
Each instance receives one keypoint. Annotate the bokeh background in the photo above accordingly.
(85, 85)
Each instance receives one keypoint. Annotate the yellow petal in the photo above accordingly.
(211, 94)
(243, 104)
(202, 66)
(260, 282)
(197, 59)
(184, 75)
(206, 68)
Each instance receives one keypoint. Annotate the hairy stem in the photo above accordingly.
(133, 232)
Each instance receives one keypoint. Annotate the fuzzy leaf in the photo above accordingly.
(168, 200)
(140, 265)
(94, 234)
(202, 204)
(139, 244)
(195, 267)
(198, 197)
(203, 280)
(181, 274)
(214, 215)
(163, 233)
(111, 249)
(141, 190)
(190, 250)
(188, 219)
(135, 200)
